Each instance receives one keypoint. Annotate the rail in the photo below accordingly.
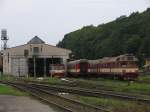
(62, 102)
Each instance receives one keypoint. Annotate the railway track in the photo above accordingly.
(66, 104)
(92, 92)
(72, 84)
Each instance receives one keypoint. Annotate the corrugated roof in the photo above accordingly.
(36, 40)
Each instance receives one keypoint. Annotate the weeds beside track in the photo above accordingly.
(62, 102)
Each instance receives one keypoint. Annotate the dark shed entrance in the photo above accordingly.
(42, 66)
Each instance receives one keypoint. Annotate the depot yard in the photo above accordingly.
(100, 83)
(112, 104)
(96, 83)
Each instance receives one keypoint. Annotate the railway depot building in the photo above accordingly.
(33, 58)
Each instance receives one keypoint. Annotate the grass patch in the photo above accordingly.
(6, 77)
(145, 78)
(8, 90)
(116, 105)
(116, 85)
(54, 80)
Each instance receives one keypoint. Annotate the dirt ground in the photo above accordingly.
(22, 104)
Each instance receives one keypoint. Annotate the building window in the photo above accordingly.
(30, 48)
(36, 50)
(26, 53)
(41, 48)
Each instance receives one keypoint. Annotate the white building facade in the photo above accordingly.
(33, 58)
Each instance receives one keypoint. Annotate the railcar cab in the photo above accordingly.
(123, 67)
(128, 64)
(127, 60)
(57, 70)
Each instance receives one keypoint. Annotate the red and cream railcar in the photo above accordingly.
(123, 66)
(78, 67)
(57, 70)
(93, 67)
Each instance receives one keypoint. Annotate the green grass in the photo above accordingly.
(5, 77)
(8, 90)
(116, 105)
(145, 78)
(116, 85)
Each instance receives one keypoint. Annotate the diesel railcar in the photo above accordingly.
(123, 66)
(77, 68)
(57, 70)
(92, 67)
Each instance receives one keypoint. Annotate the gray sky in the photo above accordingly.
(52, 19)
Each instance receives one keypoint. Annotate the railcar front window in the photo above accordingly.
(123, 64)
(130, 58)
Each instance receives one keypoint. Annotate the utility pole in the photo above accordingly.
(52, 68)
(19, 67)
(45, 67)
(34, 61)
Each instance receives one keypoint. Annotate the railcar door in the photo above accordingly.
(83, 67)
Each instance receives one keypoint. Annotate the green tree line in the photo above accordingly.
(124, 35)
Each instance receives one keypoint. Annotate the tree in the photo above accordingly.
(124, 35)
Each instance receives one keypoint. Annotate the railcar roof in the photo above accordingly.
(93, 61)
(106, 59)
(78, 61)
(113, 59)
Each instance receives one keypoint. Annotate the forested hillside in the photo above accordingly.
(124, 35)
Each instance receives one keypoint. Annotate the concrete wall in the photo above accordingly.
(19, 66)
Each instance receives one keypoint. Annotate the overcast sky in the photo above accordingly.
(52, 19)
